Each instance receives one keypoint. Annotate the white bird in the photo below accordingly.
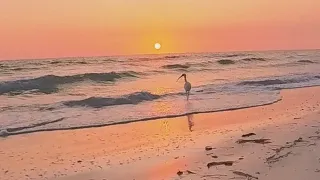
(187, 85)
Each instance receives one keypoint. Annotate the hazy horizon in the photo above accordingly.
(41, 29)
(150, 54)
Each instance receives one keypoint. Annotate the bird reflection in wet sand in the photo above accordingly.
(190, 121)
(188, 109)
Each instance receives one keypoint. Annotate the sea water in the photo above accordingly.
(69, 93)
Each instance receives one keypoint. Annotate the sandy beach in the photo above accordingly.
(283, 144)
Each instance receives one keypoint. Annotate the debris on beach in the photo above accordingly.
(248, 135)
(248, 176)
(314, 137)
(258, 141)
(214, 156)
(208, 148)
(312, 144)
(278, 155)
(275, 158)
(226, 163)
(289, 145)
(190, 172)
(179, 173)
(214, 175)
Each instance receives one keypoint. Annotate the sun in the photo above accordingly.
(157, 46)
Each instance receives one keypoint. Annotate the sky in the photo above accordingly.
(67, 28)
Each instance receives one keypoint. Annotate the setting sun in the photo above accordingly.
(157, 46)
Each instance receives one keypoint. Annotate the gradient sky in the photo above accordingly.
(60, 28)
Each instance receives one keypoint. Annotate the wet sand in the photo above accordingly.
(201, 146)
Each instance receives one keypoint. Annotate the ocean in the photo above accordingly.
(80, 92)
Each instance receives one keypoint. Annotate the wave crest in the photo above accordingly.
(263, 82)
(305, 61)
(173, 57)
(226, 61)
(254, 59)
(49, 84)
(176, 66)
(99, 102)
(234, 55)
(268, 82)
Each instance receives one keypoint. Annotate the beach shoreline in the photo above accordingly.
(160, 149)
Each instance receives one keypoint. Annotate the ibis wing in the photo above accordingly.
(187, 86)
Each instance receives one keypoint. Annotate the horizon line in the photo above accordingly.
(152, 54)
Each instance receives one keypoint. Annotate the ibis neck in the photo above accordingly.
(185, 79)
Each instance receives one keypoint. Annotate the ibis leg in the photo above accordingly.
(188, 92)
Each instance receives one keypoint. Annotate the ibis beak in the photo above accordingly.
(179, 78)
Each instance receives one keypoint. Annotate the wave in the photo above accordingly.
(268, 82)
(305, 61)
(176, 66)
(56, 62)
(33, 125)
(173, 57)
(253, 59)
(69, 62)
(5, 133)
(226, 61)
(15, 130)
(23, 69)
(17, 69)
(110, 60)
(233, 55)
(143, 59)
(168, 57)
(264, 82)
(4, 66)
(82, 62)
(203, 65)
(99, 102)
(49, 84)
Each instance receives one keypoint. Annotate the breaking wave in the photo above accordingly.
(234, 55)
(173, 56)
(305, 61)
(226, 61)
(68, 62)
(168, 57)
(254, 59)
(15, 130)
(176, 66)
(268, 82)
(49, 84)
(99, 102)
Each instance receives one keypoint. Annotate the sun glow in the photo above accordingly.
(157, 46)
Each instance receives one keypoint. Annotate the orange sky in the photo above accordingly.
(56, 28)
